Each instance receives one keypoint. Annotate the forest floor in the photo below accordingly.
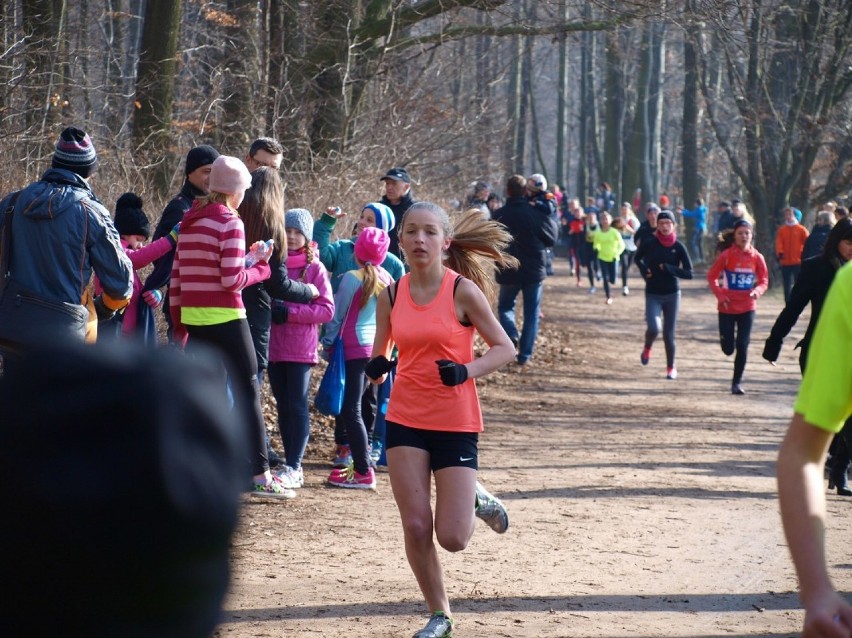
(639, 506)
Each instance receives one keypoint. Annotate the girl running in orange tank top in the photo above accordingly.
(433, 418)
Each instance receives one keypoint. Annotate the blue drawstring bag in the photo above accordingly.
(329, 397)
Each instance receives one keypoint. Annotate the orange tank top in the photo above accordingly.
(423, 335)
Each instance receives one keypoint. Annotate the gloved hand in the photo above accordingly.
(771, 349)
(101, 310)
(173, 233)
(279, 311)
(153, 298)
(378, 366)
(452, 373)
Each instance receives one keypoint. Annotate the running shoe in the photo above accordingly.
(439, 626)
(625, 291)
(342, 456)
(491, 510)
(609, 301)
(375, 452)
(349, 478)
(737, 389)
(592, 290)
(274, 488)
(291, 477)
(646, 355)
(671, 373)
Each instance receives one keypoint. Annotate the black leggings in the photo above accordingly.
(233, 339)
(735, 334)
(626, 260)
(593, 268)
(668, 306)
(608, 272)
(351, 418)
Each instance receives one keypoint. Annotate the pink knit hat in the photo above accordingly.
(371, 247)
(228, 175)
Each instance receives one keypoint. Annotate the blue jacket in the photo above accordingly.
(699, 215)
(53, 219)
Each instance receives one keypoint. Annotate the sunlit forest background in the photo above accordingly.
(710, 98)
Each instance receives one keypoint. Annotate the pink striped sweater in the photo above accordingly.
(209, 266)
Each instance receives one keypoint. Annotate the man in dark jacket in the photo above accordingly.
(199, 161)
(816, 240)
(533, 231)
(398, 197)
(61, 233)
(724, 216)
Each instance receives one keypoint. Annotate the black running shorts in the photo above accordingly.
(446, 449)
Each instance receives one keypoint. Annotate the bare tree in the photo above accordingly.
(786, 75)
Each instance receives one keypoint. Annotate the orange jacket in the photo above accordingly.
(789, 242)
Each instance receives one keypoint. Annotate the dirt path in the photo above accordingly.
(639, 506)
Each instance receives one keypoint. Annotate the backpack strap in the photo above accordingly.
(6, 246)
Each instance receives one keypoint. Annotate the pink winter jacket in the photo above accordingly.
(140, 258)
(297, 339)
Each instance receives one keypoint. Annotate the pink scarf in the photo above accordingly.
(299, 258)
(666, 240)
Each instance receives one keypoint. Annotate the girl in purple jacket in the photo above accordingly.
(293, 342)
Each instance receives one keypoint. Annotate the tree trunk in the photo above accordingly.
(328, 129)
(562, 100)
(595, 157)
(155, 82)
(586, 98)
(240, 75)
(635, 171)
(611, 169)
(690, 178)
(514, 96)
(653, 160)
(482, 88)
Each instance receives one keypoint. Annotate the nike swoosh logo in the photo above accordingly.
(465, 459)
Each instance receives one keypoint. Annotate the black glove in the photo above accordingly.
(378, 366)
(771, 349)
(103, 313)
(452, 373)
(279, 311)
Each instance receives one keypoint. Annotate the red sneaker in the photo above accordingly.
(348, 477)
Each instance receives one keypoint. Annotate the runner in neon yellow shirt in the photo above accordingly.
(823, 404)
(608, 245)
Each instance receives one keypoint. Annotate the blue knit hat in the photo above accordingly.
(302, 220)
(384, 215)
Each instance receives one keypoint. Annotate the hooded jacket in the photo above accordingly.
(61, 234)
(533, 231)
(743, 272)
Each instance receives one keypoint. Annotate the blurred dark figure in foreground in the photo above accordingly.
(120, 475)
